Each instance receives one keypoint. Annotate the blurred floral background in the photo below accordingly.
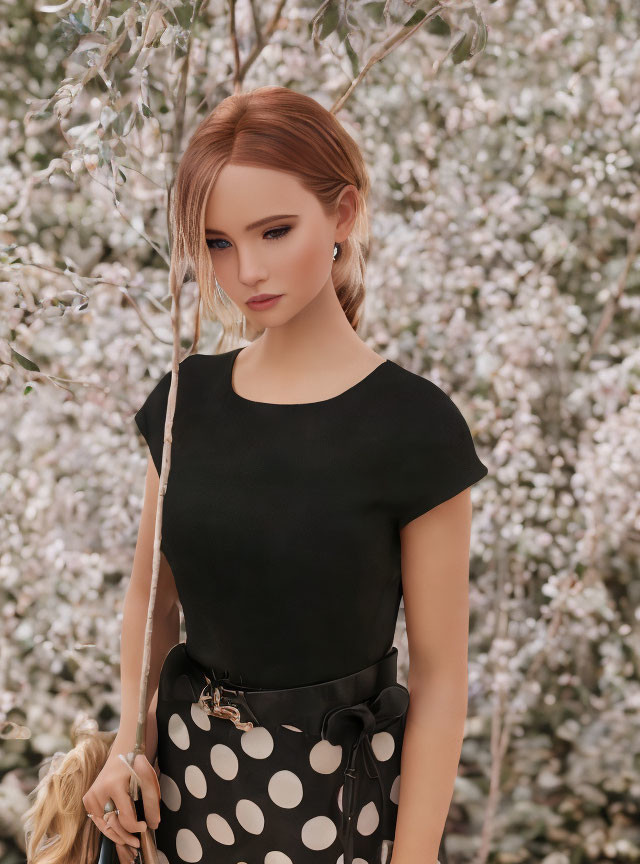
(503, 142)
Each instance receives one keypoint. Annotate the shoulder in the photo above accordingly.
(195, 372)
(421, 404)
(191, 367)
(432, 456)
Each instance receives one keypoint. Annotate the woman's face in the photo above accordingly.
(289, 254)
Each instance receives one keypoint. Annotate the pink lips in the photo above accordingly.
(263, 301)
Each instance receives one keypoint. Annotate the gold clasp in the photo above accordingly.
(226, 712)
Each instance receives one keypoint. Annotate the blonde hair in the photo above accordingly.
(277, 128)
(57, 829)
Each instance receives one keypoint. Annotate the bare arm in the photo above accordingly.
(435, 574)
(166, 626)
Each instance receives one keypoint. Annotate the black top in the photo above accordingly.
(281, 521)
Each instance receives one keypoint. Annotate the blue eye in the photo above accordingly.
(280, 232)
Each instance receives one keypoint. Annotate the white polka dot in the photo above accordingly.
(355, 860)
(325, 757)
(318, 833)
(386, 848)
(368, 819)
(394, 794)
(224, 761)
(285, 789)
(257, 742)
(169, 792)
(220, 829)
(250, 816)
(195, 781)
(277, 858)
(178, 732)
(188, 846)
(383, 746)
(162, 858)
(293, 728)
(200, 717)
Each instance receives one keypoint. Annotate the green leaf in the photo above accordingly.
(417, 16)
(462, 48)
(353, 57)
(78, 25)
(24, 361)
(329, 21)
(374, 10)
(481, 43)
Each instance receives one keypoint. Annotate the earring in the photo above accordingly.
(336, 250)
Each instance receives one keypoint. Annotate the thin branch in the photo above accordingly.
(240, 72)
(385, 48)
(98, 280)
(237, 82)
(181, 95)
(266, 35)
(142, 234)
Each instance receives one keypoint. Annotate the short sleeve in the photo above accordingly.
(151, 416)
(436, 457)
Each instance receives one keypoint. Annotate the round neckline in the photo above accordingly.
(349, 390)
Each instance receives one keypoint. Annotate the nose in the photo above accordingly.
(251, 271)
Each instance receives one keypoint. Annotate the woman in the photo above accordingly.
(312, 484)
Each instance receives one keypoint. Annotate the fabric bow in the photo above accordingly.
(358, 723)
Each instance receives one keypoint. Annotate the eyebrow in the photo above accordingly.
(255, 224)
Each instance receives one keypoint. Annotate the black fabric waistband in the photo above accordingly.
(183, 678)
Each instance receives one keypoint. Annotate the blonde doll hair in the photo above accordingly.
(57, 828)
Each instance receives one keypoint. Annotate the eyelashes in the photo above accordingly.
(280, 232)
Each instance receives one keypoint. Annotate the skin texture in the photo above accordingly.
(435, 579)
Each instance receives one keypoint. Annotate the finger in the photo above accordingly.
(124, 804)
(109, 827)
(126, 855)
(150, 789)
(113, 830)
(127, 818)
(148, 781)
(123, 854)
(133, 854)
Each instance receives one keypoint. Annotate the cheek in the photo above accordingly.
(308, 262)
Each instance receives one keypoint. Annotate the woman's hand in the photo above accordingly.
(113, 783)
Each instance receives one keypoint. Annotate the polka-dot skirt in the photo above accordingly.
(276, 792)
